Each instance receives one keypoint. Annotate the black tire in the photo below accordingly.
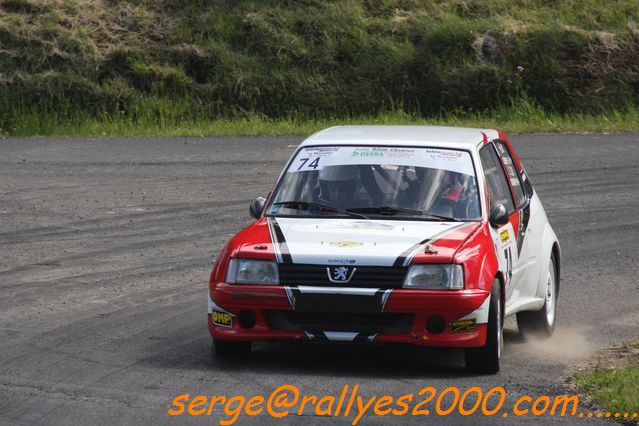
(541, 324)
(486, 360)
(229, 348)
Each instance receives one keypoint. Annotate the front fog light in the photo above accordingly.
(435, 277)
(250, 271)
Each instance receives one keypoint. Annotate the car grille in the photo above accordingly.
(332, 321)
(365, 276)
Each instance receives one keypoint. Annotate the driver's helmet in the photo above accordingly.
(338, 185)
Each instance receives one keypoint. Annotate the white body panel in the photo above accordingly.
(506, 249)
(529, 291)
(356, 242)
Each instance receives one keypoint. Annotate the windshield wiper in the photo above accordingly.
(384, 210)
(305, 205)
(443, 218)
(392, 211)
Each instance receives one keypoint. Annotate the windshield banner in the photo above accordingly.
(316, 158)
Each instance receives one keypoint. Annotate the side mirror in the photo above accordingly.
(498, 216)
(256, 207)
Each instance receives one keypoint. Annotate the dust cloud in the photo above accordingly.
(566, 345)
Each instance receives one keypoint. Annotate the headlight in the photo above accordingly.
(435, 277)
(249, 271)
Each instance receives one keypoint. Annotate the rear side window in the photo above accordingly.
(498, 189)
(528, 186)
(515, 181)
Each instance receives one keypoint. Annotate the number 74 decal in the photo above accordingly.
(312, 165)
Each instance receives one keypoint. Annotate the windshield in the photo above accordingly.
(374, 182)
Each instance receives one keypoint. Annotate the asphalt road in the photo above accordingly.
(105, 252)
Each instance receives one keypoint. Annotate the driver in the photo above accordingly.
(453, 188)
(338, 185)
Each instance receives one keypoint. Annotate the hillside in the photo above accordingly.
(184, 60)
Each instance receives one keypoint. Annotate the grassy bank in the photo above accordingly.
(616, 390)
(613, 385)
(110, 65)
(512, 120)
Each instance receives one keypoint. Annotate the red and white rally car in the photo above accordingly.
(391, 234)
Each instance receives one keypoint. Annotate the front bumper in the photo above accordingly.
(420, 317)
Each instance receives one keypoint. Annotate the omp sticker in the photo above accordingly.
(504, 235)
(223, 319)
(460, 326)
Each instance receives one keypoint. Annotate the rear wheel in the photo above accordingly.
(541, 323)
(486, 360)
(228, 348)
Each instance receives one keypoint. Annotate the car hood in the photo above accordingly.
(364, 242)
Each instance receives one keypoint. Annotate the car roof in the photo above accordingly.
(453, 137)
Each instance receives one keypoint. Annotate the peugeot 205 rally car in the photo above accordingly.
(391, 234)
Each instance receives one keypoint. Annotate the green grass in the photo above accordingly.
(615, 390)
(167, 122)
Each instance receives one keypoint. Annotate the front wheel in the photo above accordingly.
(486, 360)
(541, 323)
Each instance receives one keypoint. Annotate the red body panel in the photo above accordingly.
(447, 246)
(253, 242)
(470, 245)
(417, 336)
(422, 303)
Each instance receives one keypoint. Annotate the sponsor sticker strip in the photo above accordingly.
(316, 158)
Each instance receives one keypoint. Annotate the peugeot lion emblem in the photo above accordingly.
(340, 274)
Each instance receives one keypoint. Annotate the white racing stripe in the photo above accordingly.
(340, 336)
(385, 297)
(212, 306)
(480, 314)
(353, 291)
(276, 246)
(328, 241)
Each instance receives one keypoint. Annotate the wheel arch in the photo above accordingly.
(556, 253)
(549, 248)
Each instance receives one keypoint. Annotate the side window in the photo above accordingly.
(498, 189)
(527, 184)
(513, 175)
